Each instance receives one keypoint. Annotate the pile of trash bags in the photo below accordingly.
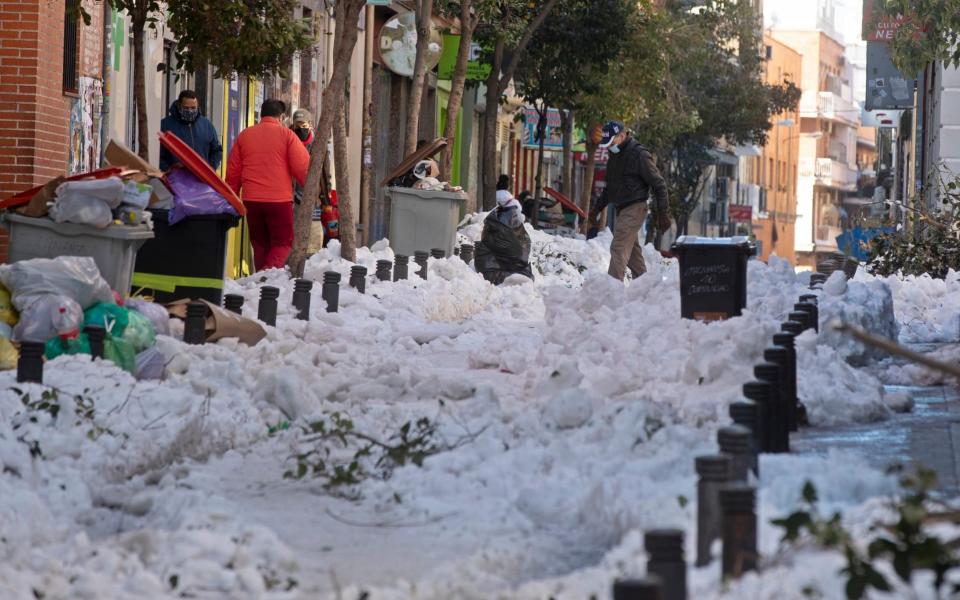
(502, 250)
(99, 202)
(53, 300)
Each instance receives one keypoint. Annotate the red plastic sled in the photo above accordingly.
(566, 202)
(25, 196)
(199, 167)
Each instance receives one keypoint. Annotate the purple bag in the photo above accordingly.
(193, 197)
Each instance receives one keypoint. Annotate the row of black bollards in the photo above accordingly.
(358, 278)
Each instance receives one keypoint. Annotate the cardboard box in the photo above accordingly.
(37, 207)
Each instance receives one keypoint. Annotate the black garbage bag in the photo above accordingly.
(502, 251)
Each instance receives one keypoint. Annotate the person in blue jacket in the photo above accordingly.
(186, 122)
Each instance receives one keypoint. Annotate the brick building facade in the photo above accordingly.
(38, 95)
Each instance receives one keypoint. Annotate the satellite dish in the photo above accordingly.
(398, 44)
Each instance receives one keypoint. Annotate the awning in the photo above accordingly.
(722, 156)
(748, 150)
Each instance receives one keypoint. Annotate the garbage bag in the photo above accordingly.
(108, 315)
(151, 364)
(82, 209)
(157, 314)
(502, 251)
(67, 346)
(139, 331)
(76, 277)
(136, 194)
(109, 190)
(8, 314)
(49, 316)
(8, 355)
(192, 197)
(121, 353)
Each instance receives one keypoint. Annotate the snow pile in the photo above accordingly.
(570, 408)
(928, 309)
(867, 304)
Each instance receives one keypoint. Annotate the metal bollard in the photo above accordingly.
(665, 547)
(794, 327)
(233, 303)
(739, 529)
(95, 337)
(466, 253)
(811, 298)
(30, 363)
(195, 326)
(400, 263)
(267, 309)
(801, 317)
(787, 341)
(714, 473)
(850, 267)
(734, 441)
(384, 268)
(456, 251)
(745, 415)
(759, 393)
(421, 259)
(817, 280)
(358, 278)
(813, 313)
(437, 253)
(301, 298)
(331, 290)
(648, 588)
(779, 434)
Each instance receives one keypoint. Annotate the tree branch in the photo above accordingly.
(521, 46)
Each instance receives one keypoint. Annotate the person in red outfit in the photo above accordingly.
(263, 163)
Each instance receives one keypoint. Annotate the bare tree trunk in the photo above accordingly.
(467, 25)
(489, 157)
(541, 142)
(424, 21)
(140, 84)
(366, 168)
(586, 193)
(566, 127)
(344, 42)
(348, 229)
(496, 85)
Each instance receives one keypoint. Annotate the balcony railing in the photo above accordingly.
(835, 174)
(828, 105)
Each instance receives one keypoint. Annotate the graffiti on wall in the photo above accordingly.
(85, 125)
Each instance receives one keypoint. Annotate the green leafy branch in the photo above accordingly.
(905, 542)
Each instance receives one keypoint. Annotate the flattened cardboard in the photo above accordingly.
(409, 162)
(37, 207)
(222, 323)
(119, 156)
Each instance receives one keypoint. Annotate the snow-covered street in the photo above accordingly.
(559, 420)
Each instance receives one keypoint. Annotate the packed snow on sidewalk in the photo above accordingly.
(456, 440)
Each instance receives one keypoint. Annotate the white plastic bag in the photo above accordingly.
(48, 316)
(136, 194)
(109, 190)
(157, 314)
(85, 210)
(151, 364)
(76, 277)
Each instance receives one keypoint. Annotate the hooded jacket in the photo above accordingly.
(631, 176)
(200, 135)
(263, 161)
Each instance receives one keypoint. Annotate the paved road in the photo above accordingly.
(928, 435)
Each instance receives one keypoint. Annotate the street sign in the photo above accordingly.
(887, 88)
(476, 70)
(741, 213)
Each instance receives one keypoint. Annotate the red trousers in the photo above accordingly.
(271, 233)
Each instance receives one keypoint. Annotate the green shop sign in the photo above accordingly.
(476, 70)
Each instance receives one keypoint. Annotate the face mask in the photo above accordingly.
(302, 133)
(614, 149)
(189, 114)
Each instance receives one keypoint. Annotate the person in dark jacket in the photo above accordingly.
(504, 246)
(185, 121)
(632, 177)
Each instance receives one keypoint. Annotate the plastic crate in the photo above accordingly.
(186, 260)
(113, 248)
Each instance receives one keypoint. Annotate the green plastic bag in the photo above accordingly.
(139, 332)
(58, 346)
(121, 353)
(111, 317)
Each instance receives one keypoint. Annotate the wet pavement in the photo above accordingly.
(929, 435)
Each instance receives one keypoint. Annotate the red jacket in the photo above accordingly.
(263, 161)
